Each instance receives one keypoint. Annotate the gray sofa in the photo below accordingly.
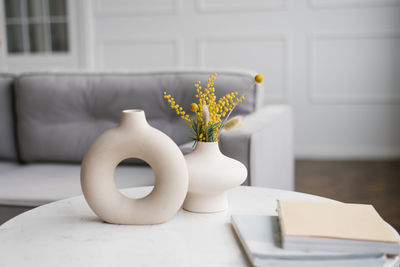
(48, 121)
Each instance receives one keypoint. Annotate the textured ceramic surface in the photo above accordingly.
(134, 138)
(211, 174)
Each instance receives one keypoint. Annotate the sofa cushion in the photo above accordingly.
(37, 184)
(7, 166)
(8, 150)
(60, 114)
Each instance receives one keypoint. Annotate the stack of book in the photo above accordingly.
(309, 233)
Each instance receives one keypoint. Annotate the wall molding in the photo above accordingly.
(177, 42)
(337, 98)
(138, 10)
(212, 6)
(202, 41)
(334, 4)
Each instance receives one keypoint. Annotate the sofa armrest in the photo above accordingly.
(265, 145)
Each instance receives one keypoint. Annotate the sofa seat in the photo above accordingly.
(8, 166)
(36, 184)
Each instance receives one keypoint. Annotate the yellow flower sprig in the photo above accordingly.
(208, 112)
(179, 110)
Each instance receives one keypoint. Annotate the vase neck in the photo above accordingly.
(133, 118)
(208, 147)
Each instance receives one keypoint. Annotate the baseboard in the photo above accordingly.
(347, 152)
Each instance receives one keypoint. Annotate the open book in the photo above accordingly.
(335, 226)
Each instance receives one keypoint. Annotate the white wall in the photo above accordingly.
(337, 62)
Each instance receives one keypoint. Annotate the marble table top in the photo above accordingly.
(67, 233)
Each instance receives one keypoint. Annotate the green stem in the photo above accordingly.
(244, 93)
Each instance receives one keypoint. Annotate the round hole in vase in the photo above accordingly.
(134, 138)
(143, 175)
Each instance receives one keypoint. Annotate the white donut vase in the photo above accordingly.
(134, 138)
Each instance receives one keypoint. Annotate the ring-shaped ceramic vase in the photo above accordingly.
(134, 138)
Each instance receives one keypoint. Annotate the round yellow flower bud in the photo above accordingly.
(194, 107)
(259, 78)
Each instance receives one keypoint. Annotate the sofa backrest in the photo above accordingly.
(8, 149)
(61, 114)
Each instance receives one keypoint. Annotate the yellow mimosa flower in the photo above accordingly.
(194, 107)
(259, 78)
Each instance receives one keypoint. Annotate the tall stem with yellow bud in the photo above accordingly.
(257, 79)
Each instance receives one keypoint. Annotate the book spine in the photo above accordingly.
(281, 223)
(242, 240)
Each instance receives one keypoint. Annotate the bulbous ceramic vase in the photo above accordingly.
(211, 174)
(134, 138)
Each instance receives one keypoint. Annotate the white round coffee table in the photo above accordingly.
(67, 233)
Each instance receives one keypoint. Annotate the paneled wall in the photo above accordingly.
(336, 62)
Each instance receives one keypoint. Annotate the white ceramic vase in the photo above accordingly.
(211, 174)
(134, 138)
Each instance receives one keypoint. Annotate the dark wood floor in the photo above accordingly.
(368, 182)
